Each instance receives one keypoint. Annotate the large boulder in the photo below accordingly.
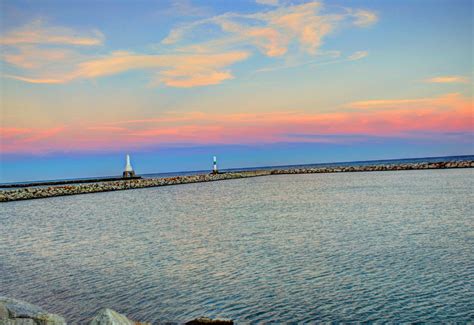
(17, 312)
(107, 316)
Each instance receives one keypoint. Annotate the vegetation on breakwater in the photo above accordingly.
(124, 184)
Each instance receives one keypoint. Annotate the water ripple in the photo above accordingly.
(290, 248)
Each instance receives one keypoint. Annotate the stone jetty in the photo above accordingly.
(377, 168)
(125, 184)
(67, 182)
(17, 312)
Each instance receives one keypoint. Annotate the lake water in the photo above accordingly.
(316, 247)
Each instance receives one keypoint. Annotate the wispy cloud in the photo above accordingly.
(37, 32)
(337, 138)
(36, 80)
(172, 70)
(12, 137)
(33, 57)
(365, 18)
(52, 54)
(331, 57)
(183, 8)
(358, 55)
(439, 103)
(448, 79)
(10, 132)
(44, 53)
(268, 2)
(272, 32)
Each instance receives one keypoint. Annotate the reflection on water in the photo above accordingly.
(343, 247)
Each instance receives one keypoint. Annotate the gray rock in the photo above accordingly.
(21, 309)
(3, 312)
(107, 316)
(50, 319)
(22, 313)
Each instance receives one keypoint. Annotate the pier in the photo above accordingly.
(72, 188)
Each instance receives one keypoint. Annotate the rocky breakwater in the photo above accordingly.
(374, 168)
(17, 312)
(125, 184)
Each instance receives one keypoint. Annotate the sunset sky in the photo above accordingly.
(265, 82)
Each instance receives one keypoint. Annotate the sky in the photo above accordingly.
(255, 82)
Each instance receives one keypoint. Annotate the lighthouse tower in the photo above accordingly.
(214, 165)
(128, 172)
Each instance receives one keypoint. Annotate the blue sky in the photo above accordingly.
(175, 82)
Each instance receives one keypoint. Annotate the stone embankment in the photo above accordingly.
(68, 182)
(374, 168)
(125, 184)
(17, 312)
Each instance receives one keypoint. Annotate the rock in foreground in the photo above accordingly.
(205, 321)
(16, 312)
(108, 316)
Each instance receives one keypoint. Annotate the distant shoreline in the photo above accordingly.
(32, 192)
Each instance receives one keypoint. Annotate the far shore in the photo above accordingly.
(116, 184)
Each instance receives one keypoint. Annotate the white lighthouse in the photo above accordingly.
(128, 172)
(214, 165)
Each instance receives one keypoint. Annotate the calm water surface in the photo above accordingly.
(327, 247)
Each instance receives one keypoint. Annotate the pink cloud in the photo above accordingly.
(26, 139)
(13, 132)
(399, 117)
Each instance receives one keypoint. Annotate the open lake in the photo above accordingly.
(315, 247)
